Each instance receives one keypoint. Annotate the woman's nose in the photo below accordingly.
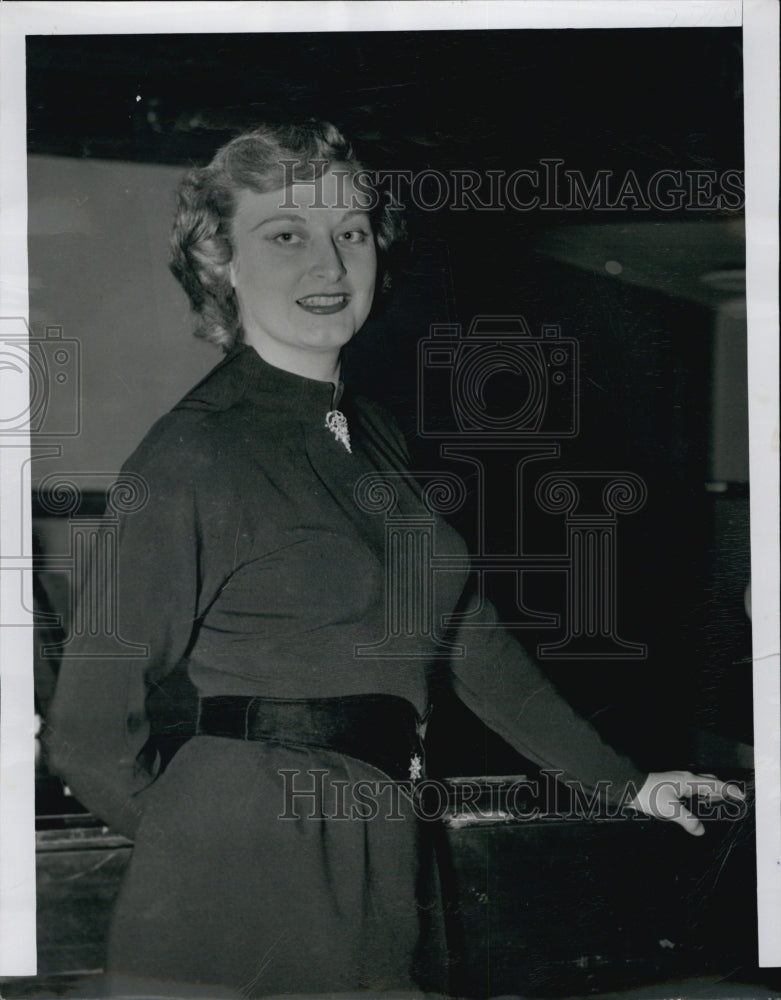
(326, 260)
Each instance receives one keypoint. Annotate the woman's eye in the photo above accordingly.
(354, 236)
(286, 238)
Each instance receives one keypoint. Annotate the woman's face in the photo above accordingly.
(303, 269)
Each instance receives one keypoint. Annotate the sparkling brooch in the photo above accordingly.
(336, 422)
(415, 767)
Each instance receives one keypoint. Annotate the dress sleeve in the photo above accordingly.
(98, 723)
(500, 682)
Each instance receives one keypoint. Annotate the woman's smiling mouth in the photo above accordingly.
(323, 304)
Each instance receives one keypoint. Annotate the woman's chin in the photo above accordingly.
(328, 336)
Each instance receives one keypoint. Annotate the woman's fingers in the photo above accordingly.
(688, 821)
(708, 786)
(664, 792)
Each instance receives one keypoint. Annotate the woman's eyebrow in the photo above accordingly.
(292, 217)
(279, 217)
(353, 212)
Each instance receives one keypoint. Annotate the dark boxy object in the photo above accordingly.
(541, 906)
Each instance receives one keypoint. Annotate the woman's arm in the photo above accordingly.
(500, 682)
(98, 725)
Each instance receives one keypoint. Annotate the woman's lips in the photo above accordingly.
(323, 304)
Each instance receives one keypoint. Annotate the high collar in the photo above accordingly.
(244, 375)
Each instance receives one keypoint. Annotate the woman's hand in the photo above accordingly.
(664, 792)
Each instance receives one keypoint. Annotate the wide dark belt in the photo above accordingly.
(382, 730)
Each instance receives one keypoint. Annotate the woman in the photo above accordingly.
(257, 568)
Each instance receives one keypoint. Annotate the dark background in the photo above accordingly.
(633, 98)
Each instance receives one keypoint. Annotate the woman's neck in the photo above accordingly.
(321, 366)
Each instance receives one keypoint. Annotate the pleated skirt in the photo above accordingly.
(262, 869)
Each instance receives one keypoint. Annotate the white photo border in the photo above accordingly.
(760, 25)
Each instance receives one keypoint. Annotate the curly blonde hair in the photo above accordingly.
(259, 160)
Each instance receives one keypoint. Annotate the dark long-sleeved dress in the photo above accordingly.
(259, 563)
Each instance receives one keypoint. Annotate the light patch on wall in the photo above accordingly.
(53, 214)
